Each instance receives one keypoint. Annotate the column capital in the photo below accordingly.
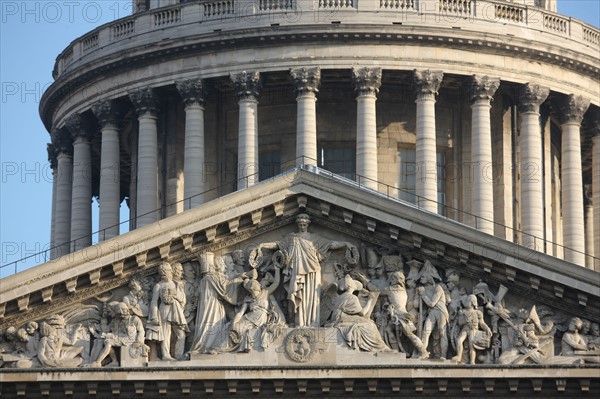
(108, 112)
(367, 81)
(62, 141)
(247, 84)
(427, 81)
(52, 155)
(192, 91)
(306, 80)
(79, 127)
(572, 109)
(145, 101)
(531, 96)
(482, 88)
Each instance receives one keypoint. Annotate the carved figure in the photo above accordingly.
(255, 312)
(574, 345)
(432, 296)
(352, 318)
(166, 314)
(214, 291)
(471, 320)
(125, 331)
(136, 299)
(305, 252)
(55, 347)
(400, 318)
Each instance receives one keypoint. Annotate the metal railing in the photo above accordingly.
(308, 164)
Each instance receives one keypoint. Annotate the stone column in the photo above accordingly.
(52, 160)
(307, 81)
(247, 88)
(81, 204)
(596, 190)
(571, 115)
(427, 84)
(146, 105)
(482, 194)
(589, 226)
(531, 96)
(191, 90)
(108, 114)
(367, 82)
(64, 189)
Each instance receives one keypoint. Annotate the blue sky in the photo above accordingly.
(32, 34)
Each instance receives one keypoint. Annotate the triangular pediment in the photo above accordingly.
(388, 234)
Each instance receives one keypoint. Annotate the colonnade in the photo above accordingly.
(71, 160)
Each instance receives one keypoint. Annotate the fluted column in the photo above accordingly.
(307, 81)
(366, 84)
(52, 153)
(596, 191)
(81, 205)
(64, 188)
(146, 105)
(108, 114)
(531, 96)
(571, 115)
(247, 87)
(427, 84)
(482, 194)
(191, 90)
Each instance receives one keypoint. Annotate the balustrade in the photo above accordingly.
(403, 5)
(122, 29)
(460, 7)
(90, 42)
(328, 4)
(167, 17)
(555, 23)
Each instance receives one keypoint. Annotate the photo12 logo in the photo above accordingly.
(63, 11)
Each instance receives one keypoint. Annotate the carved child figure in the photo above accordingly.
(126, 331)
(471, 320)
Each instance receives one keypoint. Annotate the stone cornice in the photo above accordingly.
(572, 109)
(248, 84)
(306, 80)
(367, 81)
(531, 96)
(69, 82)
(482, 88)
(192, 91)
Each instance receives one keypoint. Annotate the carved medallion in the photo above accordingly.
(301, 345)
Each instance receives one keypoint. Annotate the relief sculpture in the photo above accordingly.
(294, 296)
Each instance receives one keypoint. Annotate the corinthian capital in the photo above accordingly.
(427, 81)
(191, 91)
(306, 80)
(62, 141)
(572, 109)
(79, 127)
(52, 154)
(247, 84)
(145, 101)
(367, 81)
(531, 96)
(108, 112)
(483, 88)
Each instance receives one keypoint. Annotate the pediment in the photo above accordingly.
(389, 235)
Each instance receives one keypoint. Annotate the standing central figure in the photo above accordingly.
(304, 253)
